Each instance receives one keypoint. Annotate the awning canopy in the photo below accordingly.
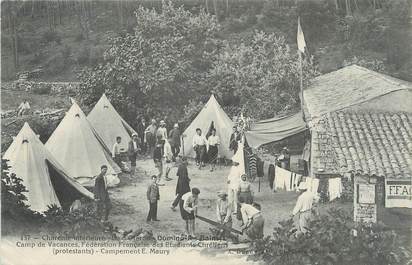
(275, 129)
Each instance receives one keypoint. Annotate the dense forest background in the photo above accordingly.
(222, 47)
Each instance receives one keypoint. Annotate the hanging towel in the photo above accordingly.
(335, 188)
(283, 178)
(313, 184)
(271, 175)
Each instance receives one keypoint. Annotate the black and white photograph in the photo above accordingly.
(224, 132)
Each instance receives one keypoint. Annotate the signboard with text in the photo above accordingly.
(398, 193)
(365, 209)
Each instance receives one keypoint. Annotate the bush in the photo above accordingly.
(15, 214)
(83, 56)
(80, 222)
(333, 239)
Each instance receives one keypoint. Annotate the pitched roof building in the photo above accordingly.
(360, 122)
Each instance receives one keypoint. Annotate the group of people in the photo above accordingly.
(237, 202)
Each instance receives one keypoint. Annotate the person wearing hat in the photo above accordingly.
(183, 181)
(303, 208)
(101, 195)
(199, 145)
(284, 158)
(140, 129)
(174, 136)
(132, 150)
(150, 135)
(162, 132)
(223, 212)
(234, 139)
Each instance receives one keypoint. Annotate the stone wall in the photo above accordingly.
(42, 87)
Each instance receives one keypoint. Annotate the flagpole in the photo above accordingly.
(301, 83)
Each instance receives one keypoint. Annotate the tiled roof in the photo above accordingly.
(347, 87)
(362, 142)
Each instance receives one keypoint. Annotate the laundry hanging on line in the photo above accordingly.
(334, 188)
(312, 184)
(285, 179)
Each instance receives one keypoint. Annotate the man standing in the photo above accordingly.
(303, 208)
(174, 136)
(183, 182)
(233, 181)
(223, 212)
(101, 195)
(153, 197)
(162, 132)
(199, 145)
(284, 158)
(150, 134)
(157, 158)
(141, 127)
(168, 155)
(132, 150)
(253, 221)
(234, 139)
(188, 210)
(116, 152)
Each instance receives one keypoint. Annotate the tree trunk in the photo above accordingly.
(119, 9)
(15, 44)
(227, 7)
(336, 4)
(207, 6)
(216, 10)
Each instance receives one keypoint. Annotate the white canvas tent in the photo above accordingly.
(109, 124)
(45, 179)
(211, 112)
(78, 147)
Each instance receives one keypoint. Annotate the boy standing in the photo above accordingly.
(101, 195)
(153, 196)
(116, 152)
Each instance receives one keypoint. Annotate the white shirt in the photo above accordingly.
(304, 202)
(116, 149)
(213, 140)
(234, 177)
(163, 132)
(135, 145)
(187, 199)
(24, 105)
(199, 140)
(248, 211)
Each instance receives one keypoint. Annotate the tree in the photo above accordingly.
(157, 69)
(262, 76)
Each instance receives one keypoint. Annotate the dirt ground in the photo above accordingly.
(130, 206)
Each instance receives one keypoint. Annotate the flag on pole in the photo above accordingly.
(301, 38)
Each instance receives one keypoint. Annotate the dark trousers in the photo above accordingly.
(103, 209)
(152, 211)
(118, 160)
(175, 150)
(177, 200)
(200, 153)
(133, 159)
(142, 145)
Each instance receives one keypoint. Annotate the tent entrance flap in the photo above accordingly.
(275, 129)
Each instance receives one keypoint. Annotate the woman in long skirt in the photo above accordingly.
(213, 143)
